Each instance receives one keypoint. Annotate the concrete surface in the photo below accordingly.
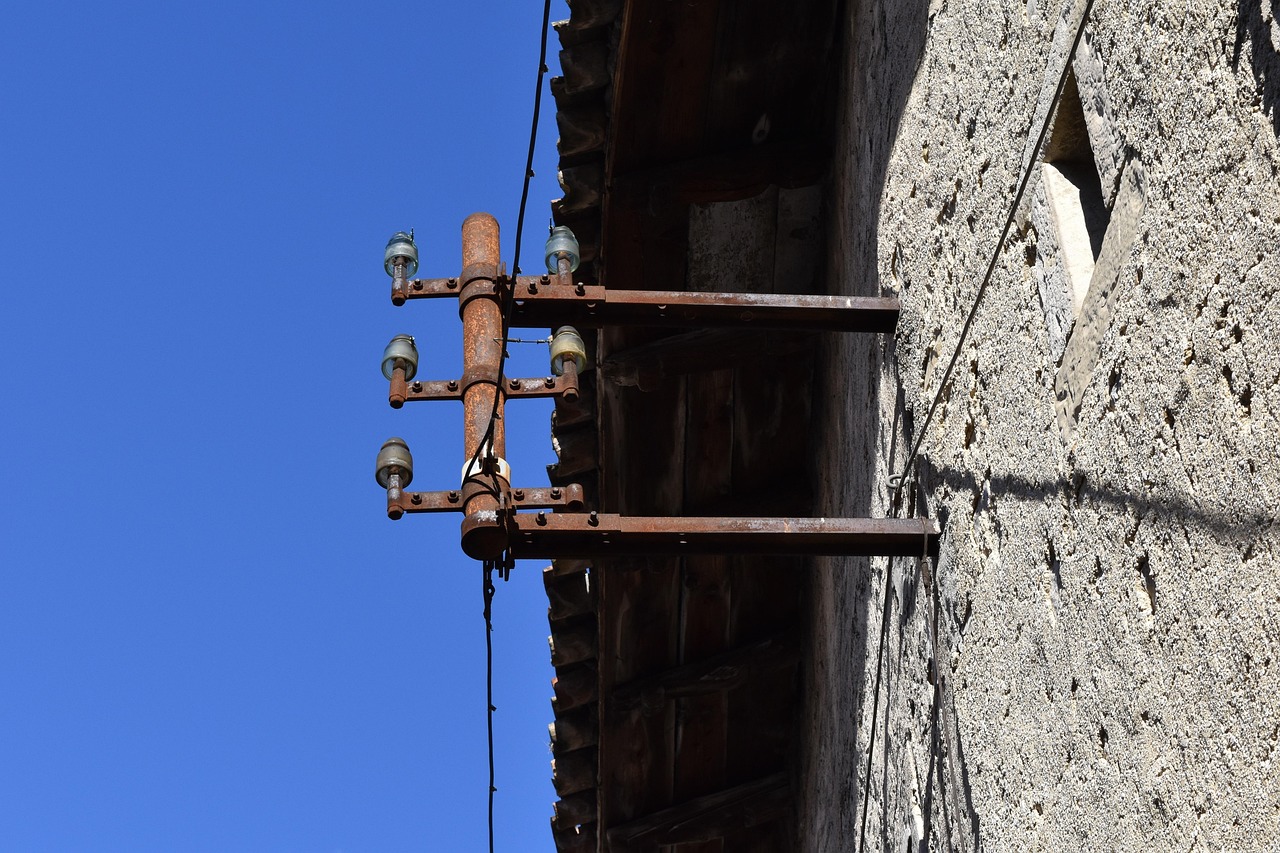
(1105, 619)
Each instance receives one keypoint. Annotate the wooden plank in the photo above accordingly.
(569, 596)
(716, 673)
(575, 729)
(662, 80)
(708, 817)
(574, 772)
(573, 643)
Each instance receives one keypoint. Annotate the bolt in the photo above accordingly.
(417, 498)
(453, 385)
(417, 285)
(451, 283)
(581, 289)
(453, 497)
(593, 518)
(555, 493)
(518, 494)
(542, 519)
(515, 384)
(551, 381)
(533, 288)
(417, 387)
(546, 279)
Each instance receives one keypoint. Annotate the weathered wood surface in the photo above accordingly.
(708, 817)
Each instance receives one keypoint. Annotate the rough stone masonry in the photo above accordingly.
(1092, 663)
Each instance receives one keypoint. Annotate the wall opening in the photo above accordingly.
(1073, 188)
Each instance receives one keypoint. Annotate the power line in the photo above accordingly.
(504, 567)
(898, 480)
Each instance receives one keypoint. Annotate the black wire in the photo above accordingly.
(898, 480)
(507, 300)
(533, 132)
(488, 649)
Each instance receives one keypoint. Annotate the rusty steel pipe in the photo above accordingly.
(480, 305)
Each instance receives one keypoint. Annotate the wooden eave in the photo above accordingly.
(685, 130)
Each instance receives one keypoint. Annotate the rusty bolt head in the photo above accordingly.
(453, 385)
(453, 497)
(417, 387)
(593, 518)
(515, 384)
(451, 283)
(518, 494)
(542, 519)
(417, 285)
(550, 381)
(417, 498)
(555, 493)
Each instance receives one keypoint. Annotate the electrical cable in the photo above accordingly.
(488, 681)
(507, 299)
(897, 481)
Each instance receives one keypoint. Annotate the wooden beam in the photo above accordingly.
(701, 351)
(574, 729)
(574, 772)
(575, 810)
(712, 674)
(575, 686)
(708, 817)
(573, 643)
(728, 175)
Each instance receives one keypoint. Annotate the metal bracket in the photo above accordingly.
(540, 304)
(452, 389)
(577, 534)
(553, 497)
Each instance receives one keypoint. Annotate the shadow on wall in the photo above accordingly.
(882, 45)
(1242, 525)
(888, 47)
(1262, 31)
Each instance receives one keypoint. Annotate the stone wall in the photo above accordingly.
(1092, 663)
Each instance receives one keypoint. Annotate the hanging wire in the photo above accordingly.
(897, 481)
(488, 681)
(507, 297)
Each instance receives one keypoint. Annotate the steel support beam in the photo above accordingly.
(538, 303)
(547, 535)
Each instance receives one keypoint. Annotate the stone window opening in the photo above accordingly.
(1073, 190)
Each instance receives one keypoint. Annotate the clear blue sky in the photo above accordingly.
(211, 637)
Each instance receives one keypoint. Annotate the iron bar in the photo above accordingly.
(555, 535)
(451, 389)
(541, 304)
(546, 497)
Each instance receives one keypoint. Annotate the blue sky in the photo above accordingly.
(211, 637)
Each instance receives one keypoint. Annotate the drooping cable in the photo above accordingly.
(507, 297)
(488, 682)
(898, 480)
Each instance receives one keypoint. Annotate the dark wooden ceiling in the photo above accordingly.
(694, 142)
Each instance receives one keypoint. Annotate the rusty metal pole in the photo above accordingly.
(480, 305)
